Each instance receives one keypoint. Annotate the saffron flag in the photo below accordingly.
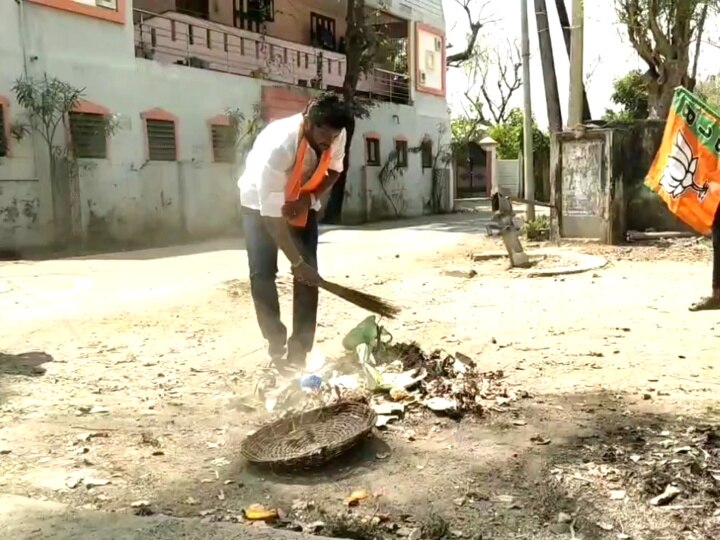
(688, 162)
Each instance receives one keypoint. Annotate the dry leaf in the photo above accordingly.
(666, 496)
(95, 482)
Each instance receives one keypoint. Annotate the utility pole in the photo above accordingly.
(565, 25)
(575, 110)
(528, 169)
(552, 96)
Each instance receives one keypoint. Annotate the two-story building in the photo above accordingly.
(172, 76)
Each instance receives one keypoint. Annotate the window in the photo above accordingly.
(426, 154)
(3, 131)
(401, 149)
(109, 4)
(223, 143)
(372, 151)
(161, 140)
(251, 14)
(88, 135)
(108, 10)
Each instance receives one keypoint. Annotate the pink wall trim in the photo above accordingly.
(5, 104)
(160, 114)
(88, 107)
(418, 85)
(116, 16)
(219, 120)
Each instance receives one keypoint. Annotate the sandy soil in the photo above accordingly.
(119, 376)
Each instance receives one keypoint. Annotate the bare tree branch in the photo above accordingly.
(476, 23)
(494, 78)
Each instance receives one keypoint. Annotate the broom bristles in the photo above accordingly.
(370, 302)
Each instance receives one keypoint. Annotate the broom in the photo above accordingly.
(369, 302)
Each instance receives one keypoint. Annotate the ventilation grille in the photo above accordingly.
(87, 132)
(223, 144)
(161, 140)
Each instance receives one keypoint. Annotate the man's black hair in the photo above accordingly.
(329, 110)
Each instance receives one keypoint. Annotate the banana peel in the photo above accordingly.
(258, 512)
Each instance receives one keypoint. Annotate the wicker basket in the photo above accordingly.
(311, 438)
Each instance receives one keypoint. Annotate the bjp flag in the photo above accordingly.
(688, 162)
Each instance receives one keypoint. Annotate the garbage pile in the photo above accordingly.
(393, 377)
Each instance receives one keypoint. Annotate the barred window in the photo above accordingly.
(401, 148)
(3, 140)
(223, 143)
(372, 151)
(426, 154)
(162, 145)
(88, 135)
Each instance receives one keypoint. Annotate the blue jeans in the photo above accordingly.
(262, 259)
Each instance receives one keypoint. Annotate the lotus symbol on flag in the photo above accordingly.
(680, 171)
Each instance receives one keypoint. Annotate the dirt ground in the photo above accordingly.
(119, 377)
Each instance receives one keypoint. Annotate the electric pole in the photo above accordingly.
(575, 110)
(528, 165)
(565, 24)
(552, 96)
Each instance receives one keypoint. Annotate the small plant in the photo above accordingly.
(48, 102)
(349, 526)
(244, 130)
(538, 229)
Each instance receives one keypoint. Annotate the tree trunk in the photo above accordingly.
(552, 97)
(565, 24)
(333, 212)
(660, 96)
(354, 39)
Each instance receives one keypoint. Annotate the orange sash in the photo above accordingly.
(295, 187)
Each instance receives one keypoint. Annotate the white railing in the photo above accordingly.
(175, 38)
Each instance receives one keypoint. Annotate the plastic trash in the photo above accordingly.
(365, 333)
(310, 382)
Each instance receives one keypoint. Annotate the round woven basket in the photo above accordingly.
(310, 438)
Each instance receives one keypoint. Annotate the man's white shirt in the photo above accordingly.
(270, 163)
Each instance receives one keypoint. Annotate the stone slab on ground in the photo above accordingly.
(22, 518)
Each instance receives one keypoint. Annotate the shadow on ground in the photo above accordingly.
(29, 364)
(585, 464)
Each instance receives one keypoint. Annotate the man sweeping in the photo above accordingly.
(686, 175)
(292, 163)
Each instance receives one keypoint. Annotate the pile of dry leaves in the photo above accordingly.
(447, 383)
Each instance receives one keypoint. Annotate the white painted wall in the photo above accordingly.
(508, 176)
(130, 199)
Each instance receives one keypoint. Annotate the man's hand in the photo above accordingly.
(293, 209)
(306, 274)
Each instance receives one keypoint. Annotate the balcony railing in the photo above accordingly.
(175, 38)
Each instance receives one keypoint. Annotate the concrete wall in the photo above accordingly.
(129, 199)
(508, 176)
(597, 183)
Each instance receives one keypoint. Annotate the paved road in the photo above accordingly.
(31, 292)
